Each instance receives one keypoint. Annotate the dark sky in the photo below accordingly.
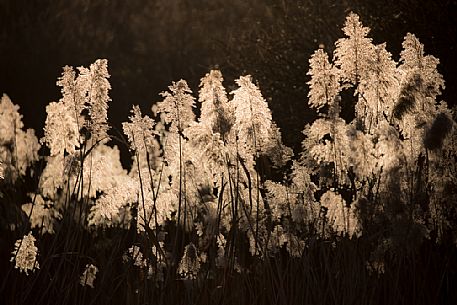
(148, 44)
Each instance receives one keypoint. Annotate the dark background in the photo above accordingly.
(149, 43)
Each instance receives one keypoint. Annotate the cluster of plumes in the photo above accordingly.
(201, 173)
(25, 254)
(81, 165)
(209, 177)
(400, 141)
(18, 147)
(199, 158)
(81, 113)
